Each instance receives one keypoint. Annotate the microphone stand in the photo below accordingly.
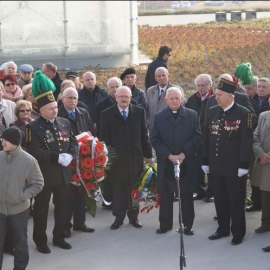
(181, 229)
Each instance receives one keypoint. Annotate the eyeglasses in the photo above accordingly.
(25, 110)
(70, 98)
(202, 85)
(9, 84)
(126, 97)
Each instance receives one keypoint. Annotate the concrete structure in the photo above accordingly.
(251, 14)
(71, 34)
(236, 15)
(221, 16)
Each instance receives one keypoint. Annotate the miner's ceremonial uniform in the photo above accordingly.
(51, 141)
(227, 147)
(46, 141)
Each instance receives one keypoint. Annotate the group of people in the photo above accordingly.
(210, 135)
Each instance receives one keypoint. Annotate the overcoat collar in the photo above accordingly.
(181, 115)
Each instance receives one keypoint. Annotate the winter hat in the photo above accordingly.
(12, 135)
(127, 72)
(42, 89)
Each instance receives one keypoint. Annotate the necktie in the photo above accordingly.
(161, 92)
(124, 113)
(73, 115)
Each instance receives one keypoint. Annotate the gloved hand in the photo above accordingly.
(205, 168)
(242, 172)
(61, 159)
(67, 159)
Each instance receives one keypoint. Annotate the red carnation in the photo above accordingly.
(88, 175)
(99, 172)
(85, 149)
(73, 165)
(75, 178)
(99, 147)
(90, 186)
(88, 163)
(101, 159)
(135, 194)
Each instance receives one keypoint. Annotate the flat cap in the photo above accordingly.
(71, 74)
(26, 68)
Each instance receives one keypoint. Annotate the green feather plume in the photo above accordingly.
(41, 84)
(243, 73)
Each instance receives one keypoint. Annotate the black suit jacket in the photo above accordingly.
(129, 139)
(239, 98)
(82, 123)
(45, 141)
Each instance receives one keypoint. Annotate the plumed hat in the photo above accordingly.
(243, 73)
(12, 135)
(226, 86)
(127, 72)
(42, 89)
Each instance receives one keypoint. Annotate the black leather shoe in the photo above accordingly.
(67, 234)
(116, 224)
(62, 244)
(253, 208)
(186, 231)
(198, 197)
(262, 229)
(237, 241)
(136, 223)
(207, 199)
(43, 249)
(84, 228)
(162, 231)
(217, 235)
(266, 249)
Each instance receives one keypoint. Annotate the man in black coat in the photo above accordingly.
(161, 61)
(198, 102)
(227, 148)
(123, 128)
(80, 121)
(176, 137)
(91, 94)
(51, 141)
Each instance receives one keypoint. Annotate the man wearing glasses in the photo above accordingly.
(123, 128)
(198, 102)
(161, 61)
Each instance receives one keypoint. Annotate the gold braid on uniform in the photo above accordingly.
(249, 121)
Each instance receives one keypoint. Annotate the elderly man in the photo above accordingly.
(161, 61)
(155, 95)
(50, 70)
(20, 180)
(91, 94)
(176, 137)
(80, 121)
(197, 102)
(227, 148)
(10, 68)
(251, 89)
(26, 74)
(51, 141)
(123, 128)
(73, 76)
(129, 79)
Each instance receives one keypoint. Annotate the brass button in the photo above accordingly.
(216, 154)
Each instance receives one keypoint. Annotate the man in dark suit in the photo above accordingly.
(50, 140)
(161, 61)
(227, 147)
(176, 137)
(80, 121)
(123, 128)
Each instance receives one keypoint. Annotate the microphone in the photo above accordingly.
(176, 169)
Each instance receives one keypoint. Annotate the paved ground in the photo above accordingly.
(129, 248)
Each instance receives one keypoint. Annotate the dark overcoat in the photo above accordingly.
(129, 139)
(170, 136)
(45, 141)
(82, 123)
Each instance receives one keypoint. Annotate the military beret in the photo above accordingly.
(26, 68)
(71, 74)
(127, 72)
